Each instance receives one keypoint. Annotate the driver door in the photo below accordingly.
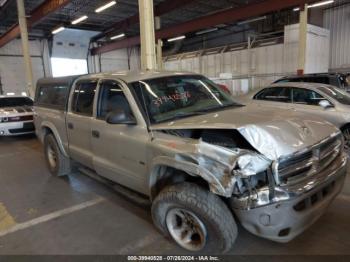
(119, 149)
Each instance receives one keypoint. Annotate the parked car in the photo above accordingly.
(16, 116)
(199, 156)
(325, 101)
(334, 79)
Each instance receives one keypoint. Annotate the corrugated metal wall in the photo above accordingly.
(337, 20)
(232, 68)
(12, 72)
(248, 69)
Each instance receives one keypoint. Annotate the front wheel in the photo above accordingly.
(194, 218)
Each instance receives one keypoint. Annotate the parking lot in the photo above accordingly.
(41, 214)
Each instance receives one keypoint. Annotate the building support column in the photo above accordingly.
(22, 21)
(148, 46)
(159, 45)
(251, 40)
(302, 40)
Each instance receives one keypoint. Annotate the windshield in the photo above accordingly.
(15, 101)
(175, 97)
(337, 94)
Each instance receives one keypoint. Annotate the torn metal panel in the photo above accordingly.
(221, 167)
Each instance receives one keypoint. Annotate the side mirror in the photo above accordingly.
(120, 117)
(325, 104)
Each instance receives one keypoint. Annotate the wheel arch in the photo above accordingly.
(48, 128)
(166, 171)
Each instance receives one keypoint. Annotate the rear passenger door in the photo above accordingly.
(78, 121)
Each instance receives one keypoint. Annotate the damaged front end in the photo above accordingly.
(274, 199)
(275, 196)
(227, 171)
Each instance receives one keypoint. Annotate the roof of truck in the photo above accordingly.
(57, 80)
(126, 76)
(133, 76)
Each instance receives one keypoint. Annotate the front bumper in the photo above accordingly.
(283, 220)
(16, 128)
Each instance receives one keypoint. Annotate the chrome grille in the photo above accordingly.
(293, 169)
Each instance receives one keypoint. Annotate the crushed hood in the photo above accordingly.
(274, 133)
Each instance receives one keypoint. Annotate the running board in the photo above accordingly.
(122, 190)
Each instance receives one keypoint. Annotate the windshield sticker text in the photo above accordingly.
(175, 97)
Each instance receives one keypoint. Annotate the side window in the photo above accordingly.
(54, 96)
(275, 94)
(83, 97)
(111, 99)
(335, 81)
(306, 97)
(318, 79)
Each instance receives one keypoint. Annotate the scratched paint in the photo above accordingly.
(6, 220)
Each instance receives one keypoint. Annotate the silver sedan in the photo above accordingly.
(325, 101)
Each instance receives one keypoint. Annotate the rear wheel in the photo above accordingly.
(194, 218)
(58, 164)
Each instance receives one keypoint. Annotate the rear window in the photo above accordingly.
(15, 101)
(52, 95)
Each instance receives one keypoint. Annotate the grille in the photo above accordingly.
(301, 166)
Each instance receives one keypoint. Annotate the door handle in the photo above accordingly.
(95, 134)
(70, 126)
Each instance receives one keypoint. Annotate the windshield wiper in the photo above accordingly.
(204, 111)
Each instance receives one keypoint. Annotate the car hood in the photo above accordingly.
(274, 133)
(18, 110)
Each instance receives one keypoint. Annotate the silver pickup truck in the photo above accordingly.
(202, 159)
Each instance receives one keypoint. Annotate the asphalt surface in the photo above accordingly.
(77, 215)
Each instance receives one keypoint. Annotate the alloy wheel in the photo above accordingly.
(186, 229)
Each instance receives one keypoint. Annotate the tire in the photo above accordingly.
(169, 211)
(57, 163)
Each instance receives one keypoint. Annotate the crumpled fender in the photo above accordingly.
(219, 166)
